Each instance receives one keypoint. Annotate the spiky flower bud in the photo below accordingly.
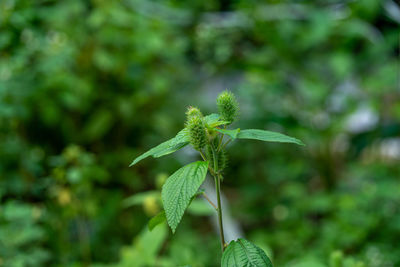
(193, 111)
(228, 107)
(222, 158)
(197, 132)
(210, 156)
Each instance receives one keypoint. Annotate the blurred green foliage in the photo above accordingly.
(85, 86)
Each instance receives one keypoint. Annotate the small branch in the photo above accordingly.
(227, 142)
(202, 155)
(220, 140)
(211, 171)
(209, 201)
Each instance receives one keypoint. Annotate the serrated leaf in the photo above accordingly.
(156, 220)
(168, 147)
(242, 253)
(267, 136)
(179, 189)
(231, 133)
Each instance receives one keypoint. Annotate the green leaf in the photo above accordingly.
(179, 188)
(212, 120)
(267, 136)
(145, 248)
(139, 198)
(244, 253)
(156, 220)
(231, 133)
(168, 147)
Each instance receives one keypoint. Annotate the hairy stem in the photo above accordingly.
(217, 179)
(202, 155)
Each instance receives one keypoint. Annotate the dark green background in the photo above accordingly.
(86, 86)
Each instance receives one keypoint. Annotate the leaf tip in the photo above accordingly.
(300, 143)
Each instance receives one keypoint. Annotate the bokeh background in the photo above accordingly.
(86, 86)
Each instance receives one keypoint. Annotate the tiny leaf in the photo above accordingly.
(168, 147)
(231, 133)
(212, 120)
(156, 220)
(179, 189)
(244, 253)
(267, 136)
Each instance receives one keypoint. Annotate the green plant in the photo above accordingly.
(206, 135)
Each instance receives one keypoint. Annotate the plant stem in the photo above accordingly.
(202, 155)
(217, 179)
(220, 142)
(221, 227)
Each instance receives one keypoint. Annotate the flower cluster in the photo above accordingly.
(202, 136)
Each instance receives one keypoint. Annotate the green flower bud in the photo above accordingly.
(210, 156)
(222, 158)
(228, 107)
(197, 132)
(193, 111)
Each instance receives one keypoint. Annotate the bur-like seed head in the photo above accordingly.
(197, 132)
(228, 107)
(193, 111)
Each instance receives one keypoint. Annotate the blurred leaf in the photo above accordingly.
(98, 124)
(156, 220)
(139, 198)
(145, 248)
